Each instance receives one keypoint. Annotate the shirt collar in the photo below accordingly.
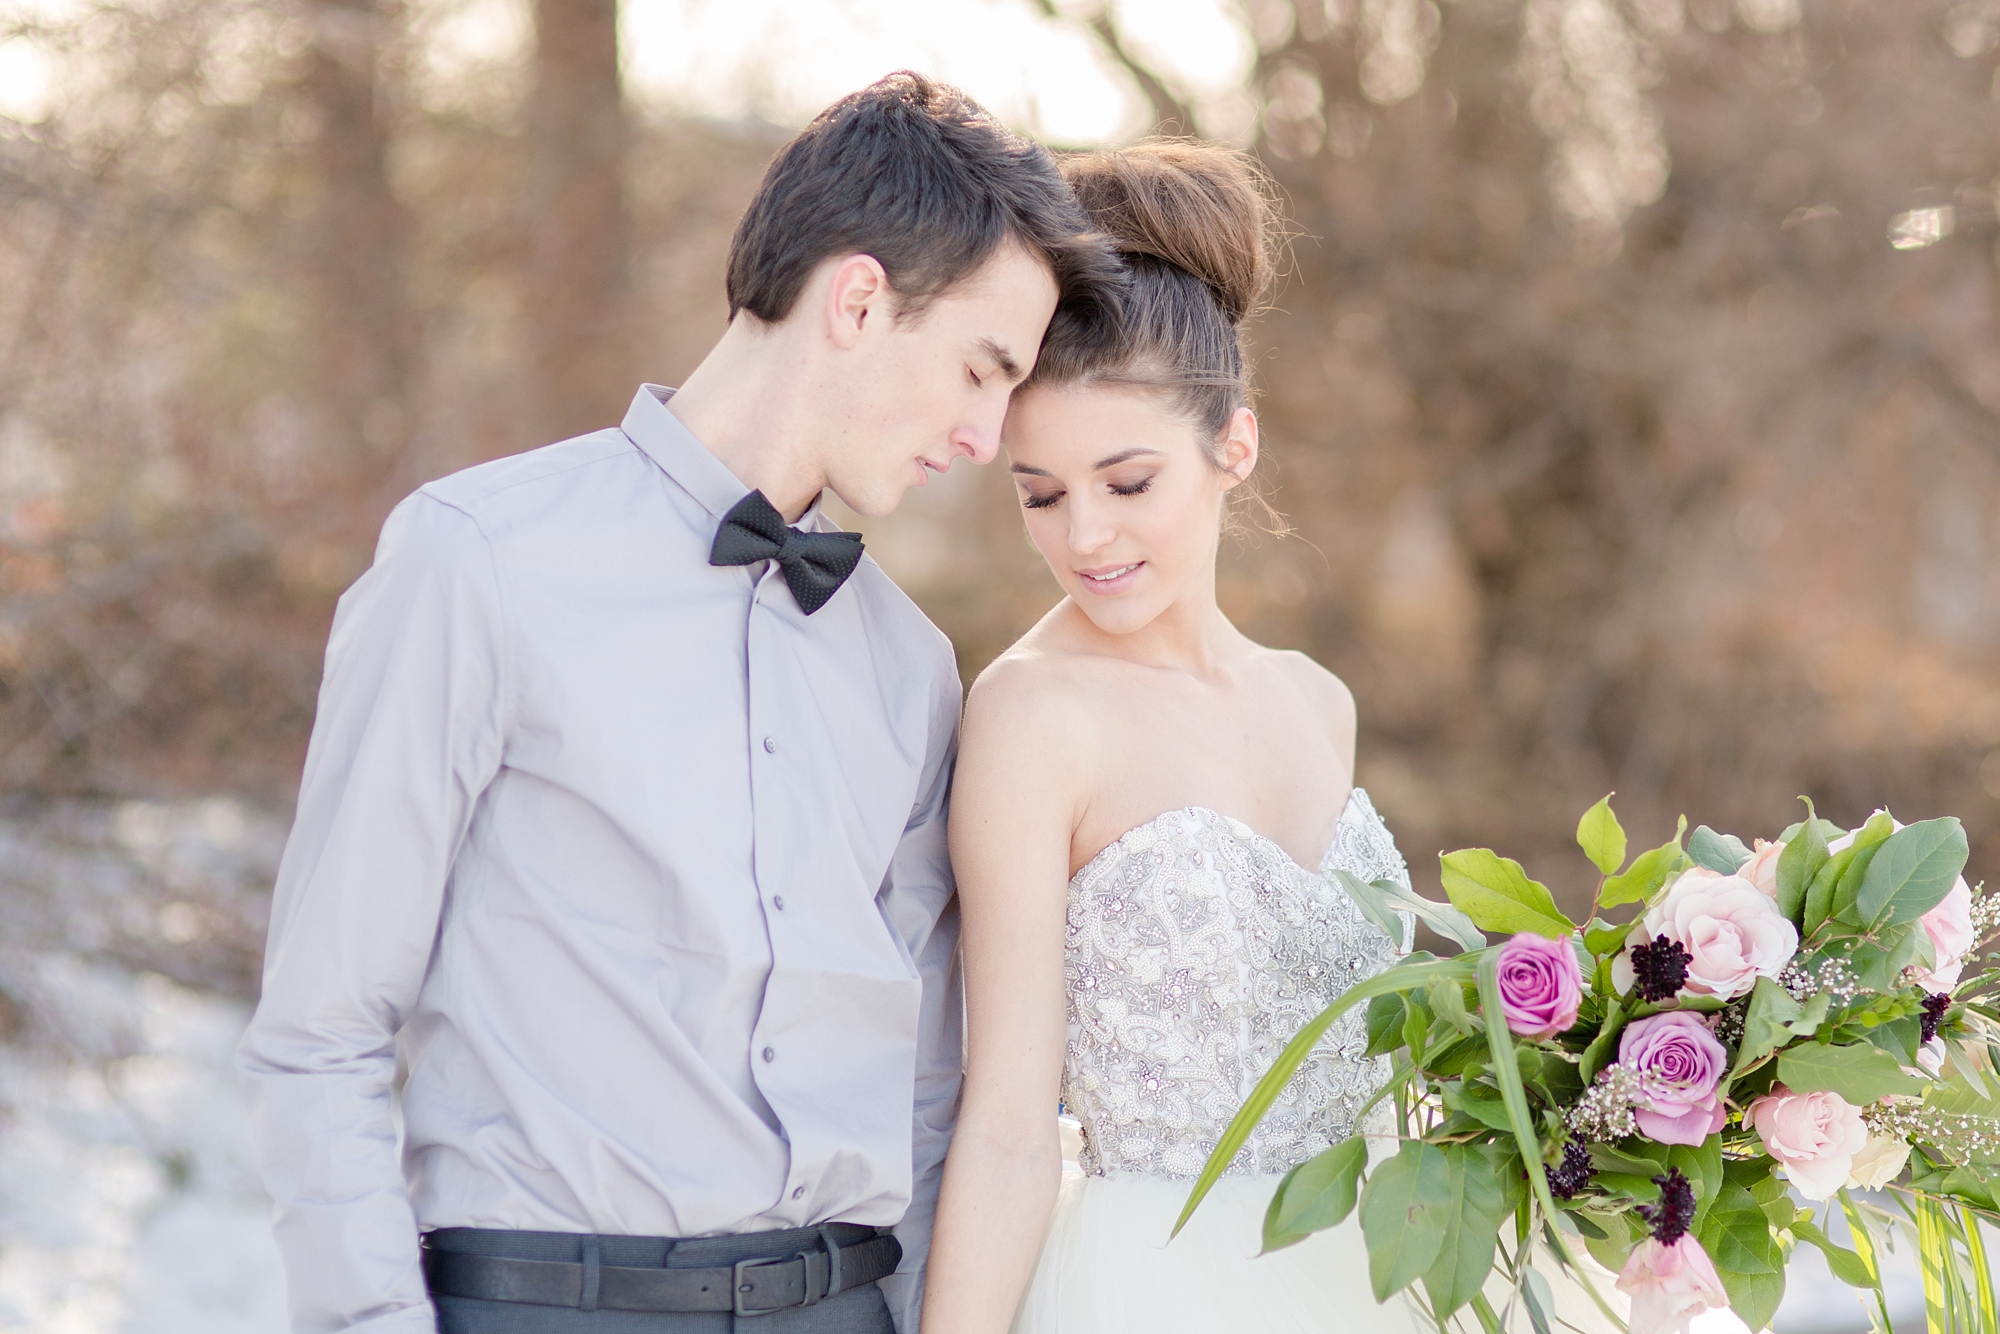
(667, 442)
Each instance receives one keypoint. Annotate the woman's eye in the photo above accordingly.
(973, 376)
(1042, 502)
(1133, 489)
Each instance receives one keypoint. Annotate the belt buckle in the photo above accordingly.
(737, 1287)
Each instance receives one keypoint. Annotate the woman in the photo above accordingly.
(1147, 811)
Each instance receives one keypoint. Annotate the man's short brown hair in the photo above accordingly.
(918, 175)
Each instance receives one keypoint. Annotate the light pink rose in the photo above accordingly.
(1814, 1136)
(1541, 985)
(1762, 868)
(1734, 932)
(1949, 925)
(1678, 1062)
(1670, 1286)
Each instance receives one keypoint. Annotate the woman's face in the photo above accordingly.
(1120, 498)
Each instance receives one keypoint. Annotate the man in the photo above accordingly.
(620, 845)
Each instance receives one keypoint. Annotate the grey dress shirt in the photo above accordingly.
(627, 874)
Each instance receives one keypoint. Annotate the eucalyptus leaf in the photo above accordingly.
(1848, 1267)
(1405, 1213)
(1602, 838)
(1860, 1074)
(1723, 853)
(1765, 1024)
(1498, 895)
(1643, 878)
(1387, 898)
(1912, 873)
(1476, 1202)
(1316, 1195)
(1805, 853)
(1737, 1236)
(1447, 998)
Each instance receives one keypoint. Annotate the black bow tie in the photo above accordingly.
(815, 564)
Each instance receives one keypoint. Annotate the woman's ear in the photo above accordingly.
(1239, 447)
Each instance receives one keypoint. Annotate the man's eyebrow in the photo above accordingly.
(1001, 357)
(1032, 472)
(1122, 455)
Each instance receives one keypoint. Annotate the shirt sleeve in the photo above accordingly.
(920, 900)
(407, 736)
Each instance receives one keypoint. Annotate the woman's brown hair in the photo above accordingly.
(1194, 224)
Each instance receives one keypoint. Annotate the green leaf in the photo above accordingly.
(1315, 1195)
(1737, 1236)
(1498, 896)
(1860, 1074)
(1601, 937)
(1765, 1024)
(1385, 1025)
(1602, 838)
(1598, 1054)
(1804, 855)
(1405, 1211)
(1847, 890)
(1381, 901)
(1863, 1236)
(1508, 1076)
(1701, 1164)
(1413, 972)
(1447, 998)
(1643, 878)
(1913, 871)
(1718, 852)
(1476, 1203)
(1848, 1267)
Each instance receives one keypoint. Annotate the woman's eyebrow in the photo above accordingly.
(1123, 455)
(1032, 472)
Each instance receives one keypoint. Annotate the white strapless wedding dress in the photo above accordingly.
(1197, 948)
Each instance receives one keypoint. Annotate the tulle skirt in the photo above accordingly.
(1107, 1268)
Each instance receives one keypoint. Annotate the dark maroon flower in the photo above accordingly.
(1573, 1173)
(1660, 970)
(1671, 1218)
(1935, 1005)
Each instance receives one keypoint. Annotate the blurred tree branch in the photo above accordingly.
(1171, 113)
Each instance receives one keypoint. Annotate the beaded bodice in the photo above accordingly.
(1196, 950)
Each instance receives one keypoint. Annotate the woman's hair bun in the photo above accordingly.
(1199, 207)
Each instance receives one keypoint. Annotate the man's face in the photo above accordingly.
(918, 392)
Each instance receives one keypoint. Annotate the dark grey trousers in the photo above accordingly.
(859, 1311)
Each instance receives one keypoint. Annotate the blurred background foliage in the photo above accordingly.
(1634, 388)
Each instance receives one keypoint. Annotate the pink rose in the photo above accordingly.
(1762, 868)
(1733, 933)
(1949, 925)
(1679, 1063)
(1541, 985)
(1814, 1136)
(1670, 1285)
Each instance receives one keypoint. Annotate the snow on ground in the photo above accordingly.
(128, 1200)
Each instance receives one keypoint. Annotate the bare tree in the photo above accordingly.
(578, 289)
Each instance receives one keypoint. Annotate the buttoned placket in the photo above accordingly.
(764, 715)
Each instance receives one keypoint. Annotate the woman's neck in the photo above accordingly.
(1192, 635)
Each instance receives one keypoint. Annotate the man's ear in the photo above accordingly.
(1239, 447)
(857, 295)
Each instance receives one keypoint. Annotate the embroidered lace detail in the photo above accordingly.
(1196, 950)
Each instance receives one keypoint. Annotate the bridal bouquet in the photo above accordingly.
(1803, 1016)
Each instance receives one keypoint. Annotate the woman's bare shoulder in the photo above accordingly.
(1325, 693)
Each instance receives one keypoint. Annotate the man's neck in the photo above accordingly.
(751, 403)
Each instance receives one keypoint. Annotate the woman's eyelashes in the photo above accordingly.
(1048, 498)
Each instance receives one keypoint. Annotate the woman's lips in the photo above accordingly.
(1110, 579)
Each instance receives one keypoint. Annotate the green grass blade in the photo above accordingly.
(1507, 1073)
(1489, 1319)
(1403, 977)
(1982, 1274)
(1932, 1260)
(1862, 1235)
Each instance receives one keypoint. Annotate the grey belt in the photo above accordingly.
(748, 1287)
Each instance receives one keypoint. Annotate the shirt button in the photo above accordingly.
(798, 1192)
(770, 1054)
(778, 902)
(770, 745)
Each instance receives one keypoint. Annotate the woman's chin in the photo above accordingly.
(1115, 615)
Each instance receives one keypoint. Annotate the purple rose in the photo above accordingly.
(1540, 985)
(1678, 1062)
